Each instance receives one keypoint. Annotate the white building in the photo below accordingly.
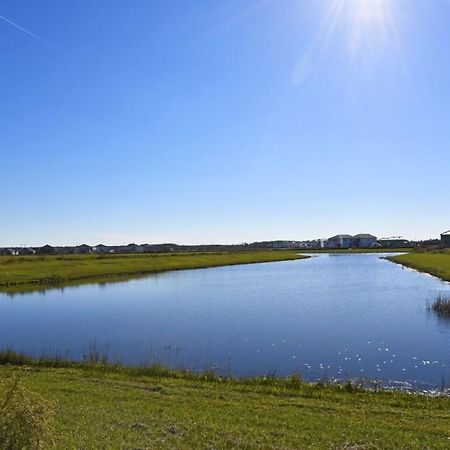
(348, 241)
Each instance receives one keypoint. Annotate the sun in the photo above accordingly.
(370, 24)
(366, 24)
(364, 32)
(368, 12)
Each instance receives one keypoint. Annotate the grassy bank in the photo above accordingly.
(99, 408)
(434, 263)
(25, 272)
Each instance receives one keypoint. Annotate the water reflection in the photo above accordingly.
(43, 289)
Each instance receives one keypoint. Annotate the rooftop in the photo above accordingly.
(339, 236)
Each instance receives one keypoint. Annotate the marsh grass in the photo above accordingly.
(22, 273)
(94, 362)
(441, 306)
(436, 263)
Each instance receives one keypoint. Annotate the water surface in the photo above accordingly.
(346, 315)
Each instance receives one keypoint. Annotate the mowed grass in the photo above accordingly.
(123, 409)
(22, 272)
(434, 263)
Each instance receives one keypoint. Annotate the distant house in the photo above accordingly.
(445, 238)
(130, 248)
(339, 241)
(45, 250)
(24, 251)
(83, 249)
(364, 241)
(8, 252)
(348, 241)
(394, 242)
(147, 248)
(317, 243)
(100, 249)
(134, 248)
(163, 248)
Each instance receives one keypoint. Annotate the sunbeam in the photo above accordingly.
(364, 23)
(365, 28)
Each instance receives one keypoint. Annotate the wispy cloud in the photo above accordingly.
(24, 30)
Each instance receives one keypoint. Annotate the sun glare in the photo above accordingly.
(368, 11)
(367, 21)
(364, 29)
(364, 23)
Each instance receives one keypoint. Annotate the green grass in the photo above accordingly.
(117, 408)
(434, 263)
(28, 272)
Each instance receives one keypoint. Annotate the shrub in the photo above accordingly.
(26, 419)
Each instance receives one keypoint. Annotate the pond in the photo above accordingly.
(331, 316)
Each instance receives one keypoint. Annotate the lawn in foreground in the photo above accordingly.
(22, 272)
(434, 263)
(123, 409)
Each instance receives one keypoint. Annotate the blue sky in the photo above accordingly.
(212, 121)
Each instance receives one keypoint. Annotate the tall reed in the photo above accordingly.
(441, 306)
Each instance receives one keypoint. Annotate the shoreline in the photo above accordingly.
(21, 274)
(96, 363)
(43, 273)
(436, 265)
